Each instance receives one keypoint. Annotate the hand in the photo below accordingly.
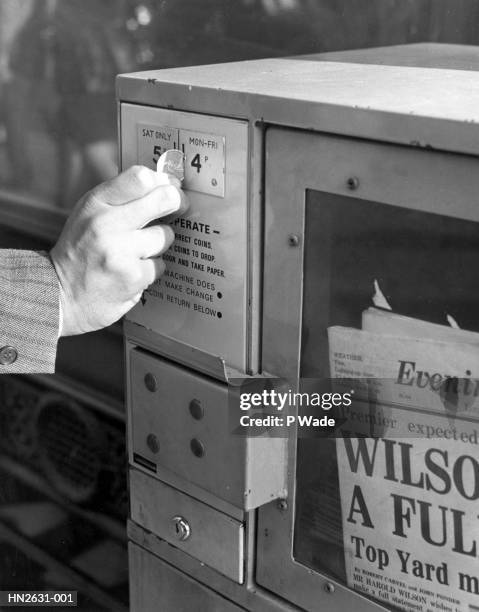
(105, 257)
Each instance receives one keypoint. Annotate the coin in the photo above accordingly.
(172, 162)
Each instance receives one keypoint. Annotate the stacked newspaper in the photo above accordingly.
(408, 461)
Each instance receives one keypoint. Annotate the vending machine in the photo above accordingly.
(332, 234)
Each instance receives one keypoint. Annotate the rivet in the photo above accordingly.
(196, 410)
(150, 382)
(197, 447)
(153, 443)
(293, 240)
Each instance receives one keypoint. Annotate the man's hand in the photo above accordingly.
(106, 257)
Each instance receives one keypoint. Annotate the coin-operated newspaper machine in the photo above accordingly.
(303, 381)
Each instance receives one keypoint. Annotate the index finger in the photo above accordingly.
(162, 201)
(132, 184)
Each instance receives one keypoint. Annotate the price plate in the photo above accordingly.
(204, 162)
(153, 141)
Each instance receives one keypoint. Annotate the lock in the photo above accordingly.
(182, 528)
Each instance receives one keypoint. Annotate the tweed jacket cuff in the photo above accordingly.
(29, 312)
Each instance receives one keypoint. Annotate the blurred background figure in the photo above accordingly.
(18, 22)
(60, 96)
(91, 46)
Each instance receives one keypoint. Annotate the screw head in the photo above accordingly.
(293, 240)
(153, 443)
(282, 505)
(214, 182)
(352, 183)
(329, 588)
(150, 382)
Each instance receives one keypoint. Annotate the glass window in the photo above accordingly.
(398, 488)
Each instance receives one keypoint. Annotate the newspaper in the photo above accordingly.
(408, 466)
(384, 322)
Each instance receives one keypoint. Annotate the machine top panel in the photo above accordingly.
(424, 55)
(408, 98)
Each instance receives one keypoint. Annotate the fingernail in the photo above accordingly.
(171, 238)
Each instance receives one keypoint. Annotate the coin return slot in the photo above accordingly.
(149, 465)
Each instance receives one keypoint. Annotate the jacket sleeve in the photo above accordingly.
(29, 312)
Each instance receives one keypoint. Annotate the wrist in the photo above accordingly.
(60, 314)
(67, 326)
